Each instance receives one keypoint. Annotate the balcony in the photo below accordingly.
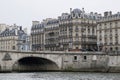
(50, 45)
(89, 42)
(51, 34)
(83, 36)
(92, 36)
(77, 42)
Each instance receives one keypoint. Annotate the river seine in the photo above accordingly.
(59, 76)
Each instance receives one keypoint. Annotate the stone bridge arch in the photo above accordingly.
(43, 62)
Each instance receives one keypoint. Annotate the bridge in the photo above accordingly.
(56, 61)
(30, 61)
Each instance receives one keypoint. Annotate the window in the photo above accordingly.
(92, 30)
(111, 49)
(105, 49)
(85, 57)
(76, 29)
(116, 24)
(99, 24)
(100, 31)
(13, 47)
(110, 24)
(105, 24)
(116, 48)
(77, 48)
(24, 41)
(76, 34)
(110, 30)
(88, 30)
(75, 58)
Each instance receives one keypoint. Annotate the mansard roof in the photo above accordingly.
(53, 21)
(12, 32)
(37, 26)
(77, 11)
(8, 32)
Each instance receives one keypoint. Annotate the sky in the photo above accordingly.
(23, 12)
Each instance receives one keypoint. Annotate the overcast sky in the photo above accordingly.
(23, 12)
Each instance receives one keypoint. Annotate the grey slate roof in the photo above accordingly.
(8, 32)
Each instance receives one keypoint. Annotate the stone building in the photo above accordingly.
(108, 30)
(37, 36)
(14, 38)
(3, 27)
(51, 32)
(74, 31)
(78, 30)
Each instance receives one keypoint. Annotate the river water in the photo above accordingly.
(59, 76)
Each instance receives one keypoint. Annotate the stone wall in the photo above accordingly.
(114, 63)
(85, 62)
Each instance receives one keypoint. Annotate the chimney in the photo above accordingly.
(83, 10)
(105, 14)
(91, 12)
(20, 27)
(96, 13)
(110, 13)
(70, 10)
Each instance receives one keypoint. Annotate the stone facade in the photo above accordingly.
(51, 33)
(14, 38)
(78, 30)
(85, 62)
(81, 31)
(37, 36)
(74, 31)
(108, 30)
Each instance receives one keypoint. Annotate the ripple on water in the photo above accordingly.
(59, 76)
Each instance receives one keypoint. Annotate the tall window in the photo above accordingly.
(13, 47)
(116, 24)
(93, 30)
(116, 48)
(85, 57)
(76, 34)
(111, 49)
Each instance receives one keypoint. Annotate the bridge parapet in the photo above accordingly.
(57, 52)
(63, 59)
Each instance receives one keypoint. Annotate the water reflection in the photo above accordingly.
(59, 76)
